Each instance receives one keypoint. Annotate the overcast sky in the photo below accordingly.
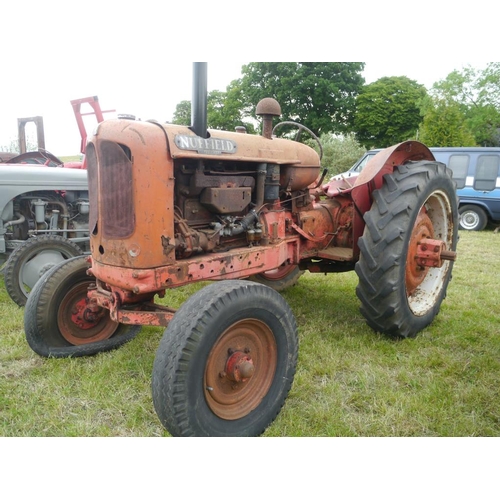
(137, 57)
(144, 93)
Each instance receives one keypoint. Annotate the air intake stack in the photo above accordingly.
(199, 101)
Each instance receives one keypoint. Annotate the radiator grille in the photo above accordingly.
(91, 160)
(117, 218)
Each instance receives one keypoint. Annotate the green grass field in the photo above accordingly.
(350, 381)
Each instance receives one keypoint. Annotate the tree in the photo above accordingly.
(444, 125)
(388, 111)
(12, 146)
(319, 95)
(477, 94)
(340, 152)
(222, 112)
(182, 113)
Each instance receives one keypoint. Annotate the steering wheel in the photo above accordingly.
(301, 127)
(49, 158)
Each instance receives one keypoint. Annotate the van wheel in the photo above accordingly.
(472, 218)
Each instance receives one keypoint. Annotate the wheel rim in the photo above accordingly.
(36, 267)
(80, 325)
(240, 369)
(416, 274)
(279, 272)
(469, 220)
(423, 285)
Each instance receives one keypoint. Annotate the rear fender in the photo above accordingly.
(371, 178)
(382, 163)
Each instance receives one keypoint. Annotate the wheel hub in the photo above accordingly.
(84, 317)
(240, 369)
(80, 324)
(415, 272)
(470, 218)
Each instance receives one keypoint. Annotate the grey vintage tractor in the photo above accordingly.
(44, 206)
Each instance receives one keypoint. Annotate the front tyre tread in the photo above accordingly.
(177, 382)
(41, 330)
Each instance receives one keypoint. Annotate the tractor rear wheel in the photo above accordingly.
(29, 261)
(399, 297)
(226, 362)
(57, 322)
(279, 279)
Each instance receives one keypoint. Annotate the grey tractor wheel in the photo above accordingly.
(30, 261)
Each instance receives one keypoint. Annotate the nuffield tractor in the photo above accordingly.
(172, 205)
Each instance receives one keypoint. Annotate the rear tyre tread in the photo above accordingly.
(380, 269)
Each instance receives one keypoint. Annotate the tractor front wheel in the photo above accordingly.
(226, 362)
(400, 292)
(279, 279)
(58, 322)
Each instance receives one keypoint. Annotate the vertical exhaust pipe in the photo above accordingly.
(199, 101)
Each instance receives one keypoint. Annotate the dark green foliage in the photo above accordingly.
(223, 111)
(388, 111)
(444, 126)
(320, 95)
(475, 93)
(182, 113)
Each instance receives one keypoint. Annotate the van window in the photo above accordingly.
(486, 172)
(459, 164)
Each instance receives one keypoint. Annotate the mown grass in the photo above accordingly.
(350, 381)
(71, 158)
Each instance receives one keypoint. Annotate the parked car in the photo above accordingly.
(476, 172)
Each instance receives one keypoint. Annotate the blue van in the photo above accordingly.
(476, 172)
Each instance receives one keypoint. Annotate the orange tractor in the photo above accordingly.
(173, 205)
